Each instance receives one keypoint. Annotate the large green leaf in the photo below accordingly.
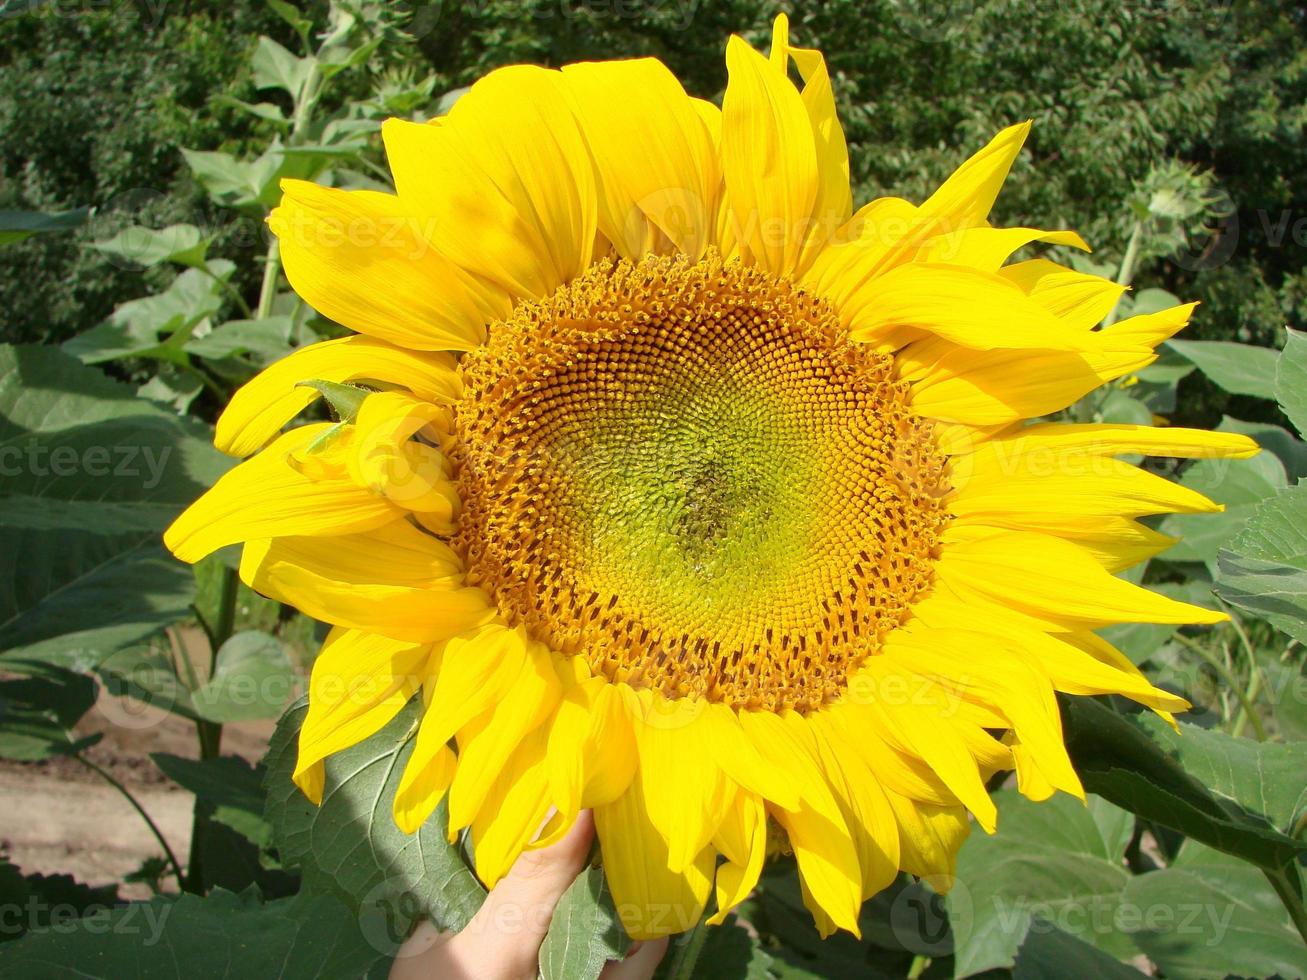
(39, 709)
(17, 225)
(1239, 484)
(1049, 953)
(1275, 439)
(38, 901)
(184, 244)
(584, 933)
(229, 784)
(1291, 380)
(190, 938)
(252, 679)
(1240, 369)
(1235, 795)
(1211, 915)
(1264, 569)
(350, 845)
(92, 474)
(157, 326)
(1053, 862)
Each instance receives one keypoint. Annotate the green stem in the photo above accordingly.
(1126, 273)
(1255, 676)
(127, 795)
(231, 290)
(918, 967)
(1212, 661)
(687, 953)
(1290, 898)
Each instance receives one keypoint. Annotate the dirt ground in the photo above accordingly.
(57, 816)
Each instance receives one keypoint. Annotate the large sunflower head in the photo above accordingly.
(684, 492)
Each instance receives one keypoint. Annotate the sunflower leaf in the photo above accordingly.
(1291, 380)
(584, 933)
(350, 846)
(184, 937)
(1240, 369)
(1234, 795)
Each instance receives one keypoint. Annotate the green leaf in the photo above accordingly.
(1056, 861)
(1234, 795)
(185, 937)
(17, 225)
(263, 110)
(1210, 915)
(346, 400)
(1291, 380)
(229, 784)
(1240, 369)
(253, 186)
(252, 679)
(39, 901)
(184, 244)
(268, 339)
(1239, 484)
(1275, 439)
(1121, 407)
(350, 846)
(292, 16)
(144, 672)
(731, 952)
(275, 67)
(93, 474)
(1048, 953)
(584, 933)
(39, 709)
(157, 326)
(1264, 570)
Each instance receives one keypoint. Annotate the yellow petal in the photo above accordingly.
(390, 462)
(742, 761)
(998, 387)
(834, 200)
(266, 495)
(650, 900)
(986, 249)
(828, 862)
(485, 745)
(272, 398)
(376, 580)
(866, 810)
(1045, 443)
(1031, 493)
(742, 839)
(362, 259)
(591, 751)
(973, 309)
(1054, 581)
(506, 180)
(515, 806)
(930, 837)
(769, 161)
(657, 160)
(358, 683)
(1080, 301)
(966, 198)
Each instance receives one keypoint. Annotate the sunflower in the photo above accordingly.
(683, 492)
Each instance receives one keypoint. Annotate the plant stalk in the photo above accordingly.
(1125, 275)
(686, 954)
(136, 805)
(1290, 898)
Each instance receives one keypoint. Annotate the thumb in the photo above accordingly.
(503, 939)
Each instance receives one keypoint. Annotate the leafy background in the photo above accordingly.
(140, 149)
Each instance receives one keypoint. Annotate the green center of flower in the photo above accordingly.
(685, 474)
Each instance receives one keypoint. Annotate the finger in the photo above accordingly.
(639, 964)
(417, 959)
(503, 939)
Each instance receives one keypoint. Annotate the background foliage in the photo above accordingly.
(140, 149)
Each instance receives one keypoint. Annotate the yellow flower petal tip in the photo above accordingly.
(681, 492)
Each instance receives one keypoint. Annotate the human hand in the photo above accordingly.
(502, 942)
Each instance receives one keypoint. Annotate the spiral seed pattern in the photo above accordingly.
(685, 473)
